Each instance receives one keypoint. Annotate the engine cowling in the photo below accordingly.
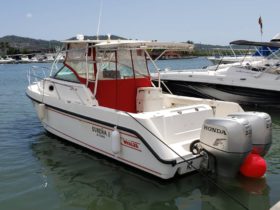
(261, 130)
(229, 141)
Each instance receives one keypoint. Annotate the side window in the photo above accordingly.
(66, 74)
(125, 64)
(139, 63)
(107, 65)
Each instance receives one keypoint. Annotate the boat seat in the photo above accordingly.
(149, 99)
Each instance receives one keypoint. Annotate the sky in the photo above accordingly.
(201, 21)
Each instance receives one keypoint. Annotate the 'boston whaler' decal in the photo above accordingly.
(131, 144)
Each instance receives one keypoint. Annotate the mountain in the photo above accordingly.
(15, 44)
(29, 44)
(209, 46)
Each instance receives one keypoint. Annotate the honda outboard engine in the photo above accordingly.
(229, 141)
(261, 130)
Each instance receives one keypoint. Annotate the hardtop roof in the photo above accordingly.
(133, 44)
(252, 43)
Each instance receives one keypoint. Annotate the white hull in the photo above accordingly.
(96, 137)
(150, 150)
(91, 127)
(233, 83)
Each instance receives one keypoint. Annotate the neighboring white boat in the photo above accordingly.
(261, 51)
(34, 59)
(103, 99)
(24, 59)
(253, 83)
(49, 58)
(1, 60)
(217, 59)
(7, 60)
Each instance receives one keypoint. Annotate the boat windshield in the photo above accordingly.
(122, 64)
(85, 61)
(66, 74)
(80, 59)
(274, 55)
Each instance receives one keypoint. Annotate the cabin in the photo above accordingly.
(112, 74)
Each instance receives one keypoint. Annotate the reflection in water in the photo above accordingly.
(85, 180)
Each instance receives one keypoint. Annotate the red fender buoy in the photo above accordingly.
(253, 166)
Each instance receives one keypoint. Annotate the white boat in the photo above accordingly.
(49, 58)
(34, 59)
(253, 83)
(7, 60)
(103, 99)
(2, 61)
(217, 59)
(259, 53)
(25, 59)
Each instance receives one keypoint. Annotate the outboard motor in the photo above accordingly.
(261, 130)
(229, 141)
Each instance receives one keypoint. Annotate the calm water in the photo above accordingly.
(38, 171)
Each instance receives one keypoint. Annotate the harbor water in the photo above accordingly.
(40, 171)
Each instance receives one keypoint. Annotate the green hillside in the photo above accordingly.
(12, 44)
(16, 44)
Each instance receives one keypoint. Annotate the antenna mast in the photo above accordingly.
(99, 19)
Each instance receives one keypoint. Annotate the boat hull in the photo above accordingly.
(95, 135)
(239, 94)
